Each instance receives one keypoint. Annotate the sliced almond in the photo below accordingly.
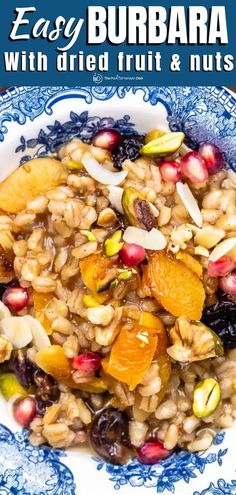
(101, 174)
(114, 196)
(39, 336)
(201, 251)
(222, 249)
(209, 236)
(189, 202)
(153, 240)
(4, 311)
(17, 331)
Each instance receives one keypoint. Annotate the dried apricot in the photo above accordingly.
(190, 262)
(40, 304)
(131, 356)
(53, 361)
(94, 270)
(175, 286)
(30, 180)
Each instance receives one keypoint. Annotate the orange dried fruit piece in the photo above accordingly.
(154, 325)
(93, 270)
(41, 302)
(131, 356)
(175, 286)
(30, 180)
(53, 361)
(190, 262)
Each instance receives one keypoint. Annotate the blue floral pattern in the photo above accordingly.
(81, 126)
(181, 466)
(203, 113)
(26, 470)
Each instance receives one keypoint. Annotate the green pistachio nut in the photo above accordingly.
(154, 134)
(9, 386)
(125, 275)
(113, 244)
(206, 397)
(90, 236)
(137, 210)
(164, 145)
(71, 165)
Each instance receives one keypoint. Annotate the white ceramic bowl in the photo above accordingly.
(34, 122)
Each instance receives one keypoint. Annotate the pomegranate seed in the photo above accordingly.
(25, 410)
(152, 452)
(228, 284)
(221, 267)
(107, 139)
(87, 363)
(212, 156)
(16, 298)
(170, 171)
(132, 254)
(193, 167)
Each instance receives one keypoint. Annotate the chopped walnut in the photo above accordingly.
(193, 341)
(5, 349)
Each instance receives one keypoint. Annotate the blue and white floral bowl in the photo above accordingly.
(35, 121)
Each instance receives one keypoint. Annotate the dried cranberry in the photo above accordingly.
(129, 148)
(221, 318)
(24, 369)
(109, 435)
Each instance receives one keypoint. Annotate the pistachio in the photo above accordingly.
(72, 165)
(206, 397)
(137, 211)
(193, 341)
(9, 386)
(154, 134)
(163, 145)
(125, 275)
(113, 244)
(89, 301)
(90, 236)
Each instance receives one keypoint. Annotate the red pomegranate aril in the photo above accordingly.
(132, 254)
(107, 139)
(16, 298)
(87, 363)
(193, 167)
(25, 410)
(170, 171)
(228, 284)
(212, 156)
(152, 452)
(221, 267)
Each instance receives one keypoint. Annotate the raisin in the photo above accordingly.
(221, 318)
(129, 148)
(109, 435)
(24, 369)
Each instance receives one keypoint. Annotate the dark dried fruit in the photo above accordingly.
(221, 318)
(110, 437)
(24, 369)
(128, 148)
(46, 387)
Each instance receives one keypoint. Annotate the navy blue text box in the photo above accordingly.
(50, 10)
